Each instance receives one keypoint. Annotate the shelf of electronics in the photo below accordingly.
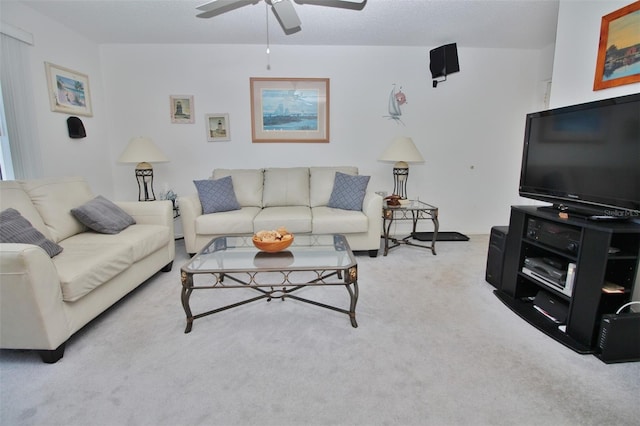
(550, 273)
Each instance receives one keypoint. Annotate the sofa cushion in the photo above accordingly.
(321, 182)
(13, 195)
(217, 195)
(247, 184)
(102, 215)
(348, 192)
(14, 228)
(286, 187)
(297, 219)
(54, 198)
(227, 223)
(327, 220)
(142, 239)
(85, 265)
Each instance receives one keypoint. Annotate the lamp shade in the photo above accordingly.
(402, 149)
(142, 150)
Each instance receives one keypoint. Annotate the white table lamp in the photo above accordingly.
(402, 151)
(142, 150)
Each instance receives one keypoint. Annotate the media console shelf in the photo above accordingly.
(605, 254)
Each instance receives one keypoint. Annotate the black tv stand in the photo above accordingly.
(605, 255)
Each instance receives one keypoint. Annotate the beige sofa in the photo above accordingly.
(44, 300)
(295, 197)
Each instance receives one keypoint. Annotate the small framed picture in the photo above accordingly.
(68, 90)
(217, 127)
(181, 107)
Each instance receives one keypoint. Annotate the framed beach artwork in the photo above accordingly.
(289, 109)
(181, 108)
(618, 60)
(217, 127)
(68, 90)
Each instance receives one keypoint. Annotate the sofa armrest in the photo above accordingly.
(190, 209)
(32, 314)
(372, 207)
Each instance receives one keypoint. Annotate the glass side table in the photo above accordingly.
(413, 210)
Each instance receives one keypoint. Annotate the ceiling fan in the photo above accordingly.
(283, 9)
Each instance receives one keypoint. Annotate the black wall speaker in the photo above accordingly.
(495, 256)
(444, 60)
(76, 128)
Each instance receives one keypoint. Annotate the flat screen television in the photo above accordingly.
(585, 158)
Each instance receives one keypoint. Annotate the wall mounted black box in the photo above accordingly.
(76, 128)
(444, 60)
(495, 256)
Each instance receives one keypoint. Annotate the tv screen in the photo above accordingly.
(585, 157)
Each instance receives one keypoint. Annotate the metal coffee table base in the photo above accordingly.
(395, 242)
(271, 291)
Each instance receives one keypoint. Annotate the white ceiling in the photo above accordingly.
(470, 23)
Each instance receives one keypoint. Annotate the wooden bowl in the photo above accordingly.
(272, 247)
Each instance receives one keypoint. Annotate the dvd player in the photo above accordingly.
(550, 272)
(550, 268)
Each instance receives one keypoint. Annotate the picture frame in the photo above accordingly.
(289, 109)
(618, 62)
(182, 109)
(69, 90)
(218, 129)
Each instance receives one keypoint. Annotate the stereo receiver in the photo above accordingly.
(560, 237)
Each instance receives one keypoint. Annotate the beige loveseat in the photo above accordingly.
(44, 300)
(295, 197)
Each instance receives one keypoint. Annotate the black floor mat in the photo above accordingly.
(442, 236)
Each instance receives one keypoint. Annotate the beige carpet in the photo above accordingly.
(434, 346)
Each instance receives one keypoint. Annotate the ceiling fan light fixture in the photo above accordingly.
(286, 14)
(284, 10)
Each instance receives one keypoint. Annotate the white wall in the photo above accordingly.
(576, 53)
(61, 155)
(469, 129)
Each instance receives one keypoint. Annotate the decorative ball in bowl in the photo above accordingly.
(272, 241)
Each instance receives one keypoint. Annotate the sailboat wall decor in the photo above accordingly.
(396, 98)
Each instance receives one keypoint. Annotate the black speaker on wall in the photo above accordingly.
(495, 256)
(443, 61)
(76, 128)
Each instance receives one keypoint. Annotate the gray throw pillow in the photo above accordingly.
(217, 195)
(14, 228)
(103, 216)
(348, 191)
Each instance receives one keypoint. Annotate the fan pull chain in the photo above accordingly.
(266, 8)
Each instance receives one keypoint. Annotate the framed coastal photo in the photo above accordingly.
(618, 60)
(289, 109)
(68, 90)
(217, 127)
(181, 107)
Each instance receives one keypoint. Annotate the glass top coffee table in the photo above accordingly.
(234, 262)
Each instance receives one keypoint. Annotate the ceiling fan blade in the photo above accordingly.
(343, 4)
(286, 14)
(218, 7)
